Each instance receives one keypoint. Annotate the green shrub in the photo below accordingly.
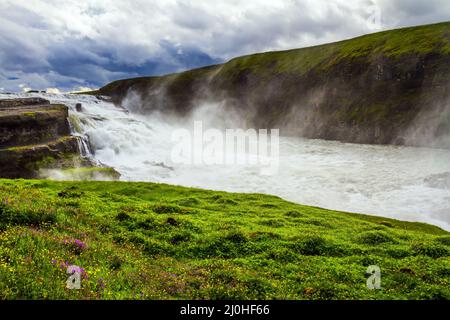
(430, 250)
(315, 222)
(443, 240)
(228, 201)
(294, 214)
(225, 292)
(123, 216)
(29, 216)
(189, 202)
(233, 244)
(386, 224)
(405, 280)
(166, 208)
(147, 224)
(257, 288)
(321, 291)
(264, 236)
(150, 246)
(236, 237)
(172, 221)
(434, 293)
(70, 193)
(317, 246)
(274, 223)
(119, 238)
(269, 205)
(154, 248)
(223, 200)
(223, 276)
(282, 255)
(399, 252)
(180, 237)
(116, 263)
(375, 238)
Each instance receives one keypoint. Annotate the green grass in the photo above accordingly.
(87, 173)
(32, 146)
(393, 43)
(155, 241)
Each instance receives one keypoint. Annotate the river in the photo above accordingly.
(405, 183)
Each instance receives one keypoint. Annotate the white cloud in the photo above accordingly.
(53, 90)
(220, 28)
(34, 33)
(83, 89)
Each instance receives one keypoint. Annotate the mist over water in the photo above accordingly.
(399, 182)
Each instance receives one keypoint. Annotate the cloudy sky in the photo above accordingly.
(72, 44)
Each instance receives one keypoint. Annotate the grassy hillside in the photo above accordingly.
(427, 39)
(153, 241)
(378, 88)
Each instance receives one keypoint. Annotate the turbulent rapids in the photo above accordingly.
(399, 182)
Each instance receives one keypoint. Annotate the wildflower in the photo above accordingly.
(83, 273)
(77, 245)
(63, 265)
(101, 283)
(80, 244)
(79, 270)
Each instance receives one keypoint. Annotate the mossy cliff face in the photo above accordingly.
(34, 134)
(29, 121)
(35, 142)
(26, 161)
(385, 88)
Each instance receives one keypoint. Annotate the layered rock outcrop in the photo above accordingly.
(33, 134)
(31, 120)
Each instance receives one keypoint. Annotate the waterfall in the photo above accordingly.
(394, 181)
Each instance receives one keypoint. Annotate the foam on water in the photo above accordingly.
(399, 182)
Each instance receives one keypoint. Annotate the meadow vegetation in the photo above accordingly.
(155, 241)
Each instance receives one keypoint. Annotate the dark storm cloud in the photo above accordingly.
(75, 44)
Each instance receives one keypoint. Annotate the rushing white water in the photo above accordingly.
(399, 182)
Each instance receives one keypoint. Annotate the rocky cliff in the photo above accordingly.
(33, 134)
(391, 87)
(31, 120)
